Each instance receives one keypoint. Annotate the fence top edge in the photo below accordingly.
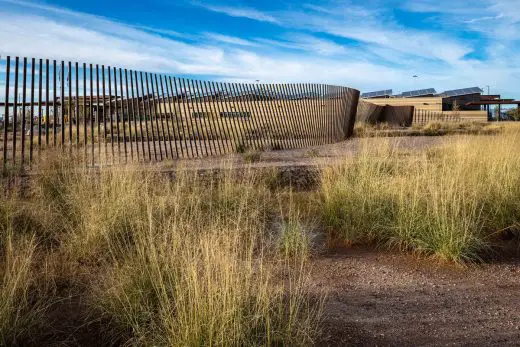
(108, 67)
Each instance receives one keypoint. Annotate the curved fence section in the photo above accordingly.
(425, 116)
(114, 115)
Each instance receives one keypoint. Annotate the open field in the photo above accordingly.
(399, 241)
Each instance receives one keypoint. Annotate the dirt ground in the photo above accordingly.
(313, 156)
(380, 298)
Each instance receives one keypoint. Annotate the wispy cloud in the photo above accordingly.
(243, 12)
(232, 40)
(362, 46)
(364, 25)
(54, 34)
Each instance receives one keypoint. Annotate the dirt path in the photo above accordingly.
(389, 299)
(312, 156)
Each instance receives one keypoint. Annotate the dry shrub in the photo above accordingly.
(22, 310)
(447, 202)
(182, 262)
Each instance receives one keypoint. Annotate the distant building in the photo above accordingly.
(468, 103)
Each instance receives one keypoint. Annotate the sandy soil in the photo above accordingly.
(313, 156)
(390, 299)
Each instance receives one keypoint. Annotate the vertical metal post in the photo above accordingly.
(302, 115)
(289, 113)
(198, 122)
(225, 115)
(131, 139)
(141, 116)
(70, 104)
(104, 113)
(180, 98)
(312, 109)
(117, 116)
(263, 105)
(40, 108)
(78, 124)
(344, 100)
(212, 138)
(150, 110)
(15, 108)
(85, 132)
(54, 105)
(317, 108)
(157, 115)
(145, 116)
(334, 115)
(307, 97)
(97, 114)
(256, 115)
(171, 114)
(223, 134)
(284, 116)
(323, 115)
(135, 115)
(294, 130)
(31, 124)
(24, 101)
(314, 97)
(91, 113)
(122, 113)
(190, 118)
(328, 113)
(6, 115)
(47, 102)
(245, 99)
(109, 70)
(151, 118)
(215, 118)
(62, 103)
(238, 130)
(242, 121)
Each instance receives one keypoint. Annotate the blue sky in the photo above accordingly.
(368, 45)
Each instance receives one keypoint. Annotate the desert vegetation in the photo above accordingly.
(432, 128)
(449, 202)
(126, 255)
(152, 261)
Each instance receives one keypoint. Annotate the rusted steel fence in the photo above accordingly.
(115, 115)
(424, 116)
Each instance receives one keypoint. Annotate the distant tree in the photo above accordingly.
(514, 114)
(455, 106)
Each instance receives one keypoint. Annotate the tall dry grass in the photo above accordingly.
(448, 201)
(155, 261)
(21, 307)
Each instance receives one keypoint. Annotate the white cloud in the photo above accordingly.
(385, 54)
(229, 39)
(242, 12)
(101, 41)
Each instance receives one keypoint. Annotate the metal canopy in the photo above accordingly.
(494, 102)
(460, 92)
(377, 94)
(420, 92)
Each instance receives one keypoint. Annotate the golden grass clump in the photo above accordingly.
(21, 308)
(446, 201)
(187, 261)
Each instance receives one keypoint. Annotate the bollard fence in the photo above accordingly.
(425, 116)
(114, 115)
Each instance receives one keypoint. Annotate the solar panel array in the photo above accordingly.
(464, 91)
(420, 92)
(378, 94)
